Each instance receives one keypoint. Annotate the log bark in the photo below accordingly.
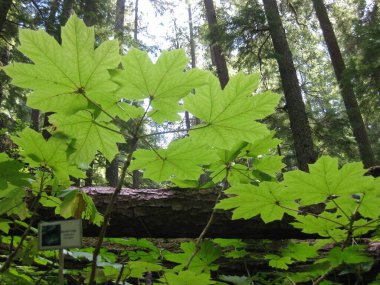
(178, 213)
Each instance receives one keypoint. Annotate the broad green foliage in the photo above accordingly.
(268, 200)
(203, 261)
(164, 83)
(98, 104)
(229, 115)
(182, 159)
(187, 278)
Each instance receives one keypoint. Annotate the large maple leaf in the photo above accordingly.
(164, 82)
(229, 115)
(61, 75)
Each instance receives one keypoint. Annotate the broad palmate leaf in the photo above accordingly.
(326, 179)
(90, 136)
(164, 83)
(268, 200)
(229, 115)
(52, 153)
(183, 159)
(62, 74)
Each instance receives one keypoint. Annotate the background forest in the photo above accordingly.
(322, 57)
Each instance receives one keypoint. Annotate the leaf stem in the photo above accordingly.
(107, 217)
(209, 223)
(35, 207)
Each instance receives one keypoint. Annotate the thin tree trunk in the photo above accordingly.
(346, 88)
(5, 5)
(191, 32)
(193, 59)
(299, 123)
(216, 51)
(136, 26)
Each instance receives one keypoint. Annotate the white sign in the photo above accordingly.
(60, 234)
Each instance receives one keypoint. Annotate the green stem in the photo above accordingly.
(35, 207)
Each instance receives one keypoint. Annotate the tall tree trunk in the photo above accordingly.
(4, 79)
(119, 20)
(192, 54)
(191, 33)
(67, 10)
(346, 88)
(216, 51)
(112, 172)
(89, 16)
(299, 123)
(5, 5)
(136, 26)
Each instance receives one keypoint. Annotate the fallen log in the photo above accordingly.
(179, 213)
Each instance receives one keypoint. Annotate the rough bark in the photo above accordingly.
(89, 16)
(346, 88)
(5, 5)
(67, 10)
(299, 123)
(216, 51)
(119, 20)
(177, 213)
(112, 173)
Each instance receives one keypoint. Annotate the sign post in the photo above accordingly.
(60, 235)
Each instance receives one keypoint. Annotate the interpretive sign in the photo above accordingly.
(60, 234)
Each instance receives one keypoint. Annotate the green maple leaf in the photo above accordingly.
(329, 226)
(61, 74)
(351, 255)
(187, 278)
(325, 180)
(138, 268)
(370, 203)
(182, 160)
(165, 82)
(90, 136)
(277, 261)
(10, 173)
(202, 262)
(263, 200)
(52, 153)
(269, 164)
(262, 145)
(230, 115)
(300, 251)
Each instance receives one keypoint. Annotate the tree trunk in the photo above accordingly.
(216, 51)
(67, 10)
(299, 123)
(5, 5)
(178, 213)
(119, 20)
(136, 26)
(89, 15)
(112, 172)
(346, 88)
(89, 175)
